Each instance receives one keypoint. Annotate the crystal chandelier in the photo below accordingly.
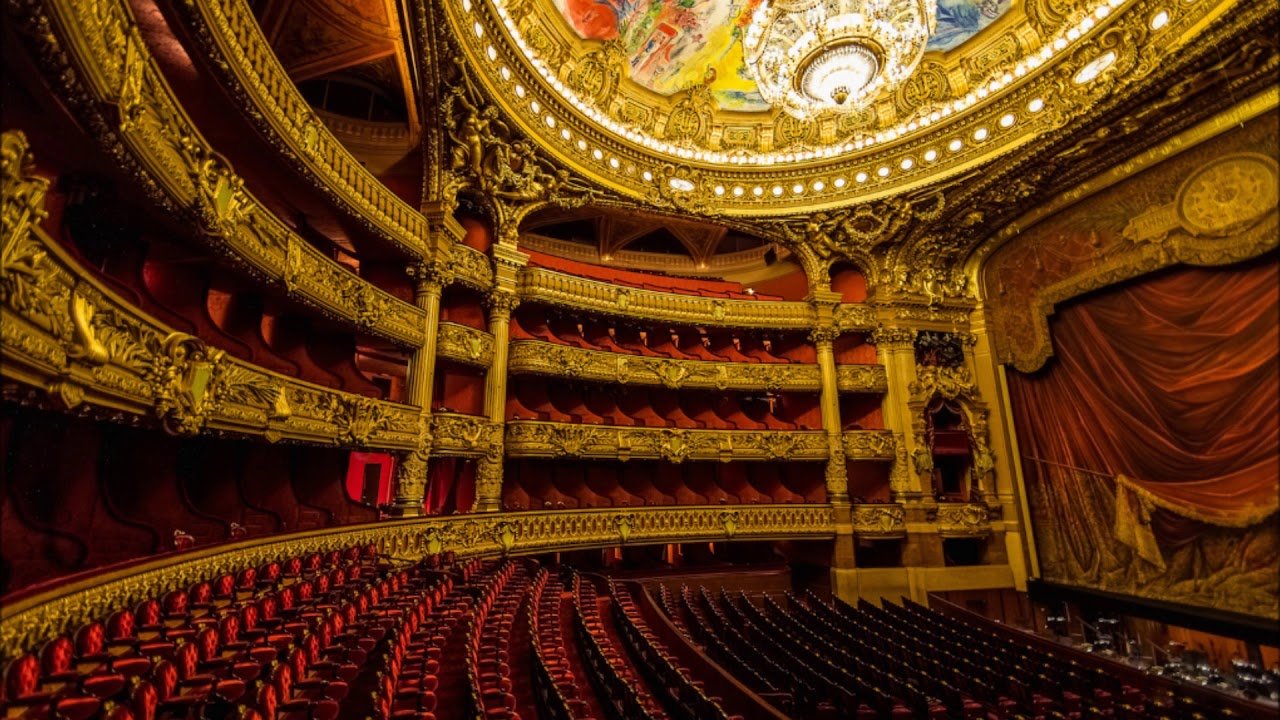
(813, 56)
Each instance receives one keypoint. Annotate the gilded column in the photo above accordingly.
(837, 476)
(895, 349)
(411, 469)
(489, 467)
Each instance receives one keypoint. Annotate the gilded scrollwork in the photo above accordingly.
(464, 344)
(533, 357)
(879, 520)
(178, 169)
(455, 434)
(531, 438)
(962, 520)
(65, 333)
(553, 288)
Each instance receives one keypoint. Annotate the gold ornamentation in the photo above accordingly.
(888, 520)
(946, 382)
(463, 435)
(1228, 195)
(534, 438)
(596, 76)
(23, 192)
(963, 520)
(464, 344)
(158, 145)
(534, 357)
(64, 333)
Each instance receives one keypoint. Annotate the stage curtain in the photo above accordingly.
(1167, 388)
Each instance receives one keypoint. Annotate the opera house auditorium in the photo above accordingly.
(640, 360)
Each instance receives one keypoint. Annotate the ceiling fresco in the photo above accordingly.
(672, 45)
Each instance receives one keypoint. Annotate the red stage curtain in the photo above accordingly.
(1168, 386)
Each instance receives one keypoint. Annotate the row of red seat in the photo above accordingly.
(682, 695)
(554, 680)
(686, 343)
(540, 399)
(285, 638)
(488, 651)
(620, 691)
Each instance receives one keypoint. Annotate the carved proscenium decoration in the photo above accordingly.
(888, 520)
(955, 386)
(501, 168)
(963, 520)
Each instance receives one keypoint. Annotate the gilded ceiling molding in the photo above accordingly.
(553, 288)
(1019, 88)
(498, 167)
(1180, 90)
(537, 357)
(1174, 215)
(228, 33)
(99, 63)
(539, 439)
(70, 342)
(33, 619)
(463, 344)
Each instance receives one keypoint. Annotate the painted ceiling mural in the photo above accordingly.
(674, 44)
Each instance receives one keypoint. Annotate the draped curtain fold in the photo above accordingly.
(1169, 388)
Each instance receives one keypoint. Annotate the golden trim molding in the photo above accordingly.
(28, 621)
(538, 357)
(554, 288)
(230, 34)
(541, 439)
(71, 341)
(178, 168)
(464, 344)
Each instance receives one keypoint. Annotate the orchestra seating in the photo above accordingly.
(352, 635)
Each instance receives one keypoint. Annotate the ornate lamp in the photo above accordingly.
(814, 56)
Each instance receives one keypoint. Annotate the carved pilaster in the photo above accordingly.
(489, 479)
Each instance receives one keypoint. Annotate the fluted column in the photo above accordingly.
(837, 475)
(411, 469)
(489, 468)
(895, 349)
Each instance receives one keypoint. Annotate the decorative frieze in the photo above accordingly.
(879, 520)
(538, 439)
(962, 520)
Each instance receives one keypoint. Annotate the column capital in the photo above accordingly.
(430, 277)
(886, 336)
(823, 336)
(501, 302)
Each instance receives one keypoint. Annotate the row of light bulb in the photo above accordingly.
(1087, 73)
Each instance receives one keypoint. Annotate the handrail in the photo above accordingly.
(108, 64)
